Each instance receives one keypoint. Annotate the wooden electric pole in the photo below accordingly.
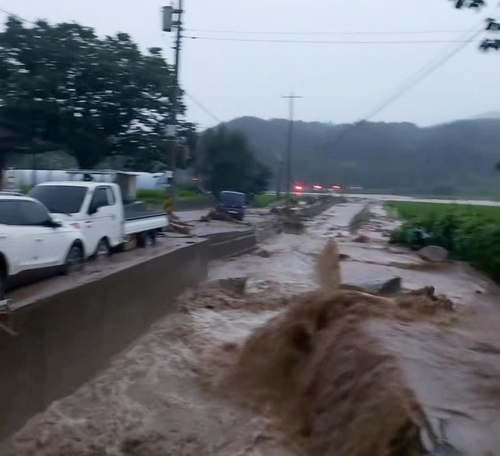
(288, 158)
(172, 126)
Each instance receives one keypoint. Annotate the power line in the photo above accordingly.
(420, 75)
(240, 32)
(253, 40)
(412, 81)
(22, 19)
(203, 108)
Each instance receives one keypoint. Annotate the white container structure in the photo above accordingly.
(30, 177)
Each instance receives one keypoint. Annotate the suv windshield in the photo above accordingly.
(60, 199)
(233, 198)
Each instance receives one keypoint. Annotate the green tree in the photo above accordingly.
(469, 3)
(491, 24)
(94, 97)
(150, 152)
(227, 162)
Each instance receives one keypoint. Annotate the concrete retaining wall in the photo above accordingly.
(223, 245)
(266, 231)
(269, 229)
(67, 338)
(321, 206)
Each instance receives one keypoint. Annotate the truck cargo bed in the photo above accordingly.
(139, 219)
(139, 210)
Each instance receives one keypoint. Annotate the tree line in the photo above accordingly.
(64, 88)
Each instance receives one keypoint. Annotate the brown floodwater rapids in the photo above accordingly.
(289, 370)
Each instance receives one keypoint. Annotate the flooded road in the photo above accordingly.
(160, 397)
(381, 198)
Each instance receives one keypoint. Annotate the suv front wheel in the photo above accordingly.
(3, 277)
(74, 260)
(3, 285)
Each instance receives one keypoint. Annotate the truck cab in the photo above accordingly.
(103, 205)
(96, 208)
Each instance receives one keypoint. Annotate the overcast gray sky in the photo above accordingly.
(339, 82)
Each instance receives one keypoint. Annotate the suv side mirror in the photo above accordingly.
(52, 223)
(56, 223)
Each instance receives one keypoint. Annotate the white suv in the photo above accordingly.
(31, 241)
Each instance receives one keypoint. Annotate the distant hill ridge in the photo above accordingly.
(457, 158)
(488, 115)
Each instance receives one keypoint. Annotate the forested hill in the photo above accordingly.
(458, 158)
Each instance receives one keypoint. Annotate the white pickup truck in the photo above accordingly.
(97, 209)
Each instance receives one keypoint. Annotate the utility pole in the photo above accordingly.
(291, 106)
(171, 128)
(279, 176)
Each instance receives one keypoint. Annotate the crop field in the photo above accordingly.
(469, 233)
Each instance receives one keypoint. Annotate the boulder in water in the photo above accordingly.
(263, 253)
(387, 286)
(234, 284)
(433, 253)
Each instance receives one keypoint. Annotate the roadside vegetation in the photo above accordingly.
(469, 233)
(25, 189)
(266, 200)
(157, 197)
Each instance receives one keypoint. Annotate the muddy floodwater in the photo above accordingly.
(168, 393)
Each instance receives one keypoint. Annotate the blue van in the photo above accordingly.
(233, 204)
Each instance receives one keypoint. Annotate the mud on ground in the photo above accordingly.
(283, 372)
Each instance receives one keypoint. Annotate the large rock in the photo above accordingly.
(362, 239)
(234, 284)
(263, 253)
(433, 253)
(387, 286)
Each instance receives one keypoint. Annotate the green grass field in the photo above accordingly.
(411, 210)
(265, 200)
(157, 197)
(469, 233)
